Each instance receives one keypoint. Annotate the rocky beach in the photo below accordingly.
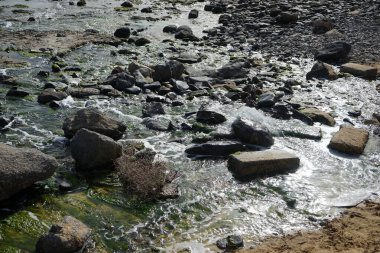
(189, 126)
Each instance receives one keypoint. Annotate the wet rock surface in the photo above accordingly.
(20, 168)
(349, 140)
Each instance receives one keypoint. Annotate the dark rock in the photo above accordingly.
(232, 242)
(179, 86)
(252, 132)
(170, 29)
(216, 148)
(133, 90)
(185, 33)
(209, 117)
(152, 86)
(234, 70)
(151, 109)
(81, 3)
(193, 14)
(127, 4)
(334, 52)
(55, 85)
(287, 17)
(158, 123)
(321, 26)
(91, 150)
(120, 81)
(15, 92)
(94, 120)
(147, 10)
(322, 70)
(171, 69)
(123, 32)
(266, 100)
(49, 95)
(83, 92)
(20, 168)
(141, 42)
(69, 236)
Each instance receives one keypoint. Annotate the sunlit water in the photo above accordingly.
(212, 204)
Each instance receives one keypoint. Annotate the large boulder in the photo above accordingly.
(123, 32)
(185, 33)
(252, 132)
(153, 108)
(94, 120)
(319, 116)
(349, 140)
(69, 236)
(248, 164)
(22, 167)
(216, 148)
(171, 69)
(91, 150)
(234, 70)
(334, 52)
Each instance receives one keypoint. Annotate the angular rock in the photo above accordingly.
(49, 95)
(91, 150)
(252, 133)
(287, 17)
(157, 123)
(83, 92)
(141, 42)
(69, 236)
(209, 117)
(266, 100)
(120, 81)
(334, 52)
(355, 69)
(170, 29)
(94, 120)
(193, 14)
(185, 33)
(234, 70)
(153, 108)
(319, 116)
(322, 70)
(171, 69)
(216, 148)
(248, 164)
(349, 140)
(179, 86)
(20, 168)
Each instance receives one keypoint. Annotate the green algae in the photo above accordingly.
(20, 6)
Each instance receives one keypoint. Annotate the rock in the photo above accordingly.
(349, 140)
(81, 3)
(321, 26)
(157, 123)
(179, 86)
(15, 92)
(209, 117)
(322, 70)
(94, 120)
(232, 242)
(153, 108)
(20, 168)
(297, 130)
(319, 116)
(133, 90)
(127, 4)
(169, 191)
(4, 121)
(185, 33)
(55, 85)
(193, 14)
(120, 81)
(147, 10)
(69, 236)
(91, 150)
(252, 132)
(234, 70)
(152, 86)
(355, 69)
(123, 32)
(334, 52)
(216, 148)
(287, 17)
(49, 95)
(170, 29)
(144, 70)
(83, 92)
(171, 69)
(142, 42)
(247, 164)
(188, 57)
(266, 100)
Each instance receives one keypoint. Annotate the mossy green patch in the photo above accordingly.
(122, 9)
(20, 6)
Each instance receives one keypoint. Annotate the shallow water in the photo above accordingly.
(212, 204)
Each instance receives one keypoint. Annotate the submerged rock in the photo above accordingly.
(94, 120)
(15, 92)
(69, 236)
(91, 150)
(216, 148)
(252, 132)
(349, 140)
(248, 164)
(22, 167)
